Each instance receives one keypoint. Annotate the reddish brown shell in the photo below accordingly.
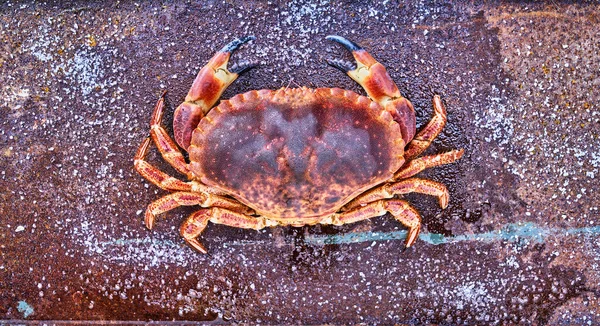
(296, 153)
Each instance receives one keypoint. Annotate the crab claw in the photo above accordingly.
(343, 65)
(362, 57)
(351, 46)
(235, 44)
(206, 90)
(218, 63)
(241, 67)
(369, 73)
(380, 87)
(366, 71)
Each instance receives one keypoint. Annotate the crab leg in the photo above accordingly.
(389, 190)
(196, 223)
(163, 141)
(378, 84)
(177, 199)
(163, 180)
(169, 152)
(401, 210)
(206, 90)
(154, 175)
(419, 164)
(424, 138)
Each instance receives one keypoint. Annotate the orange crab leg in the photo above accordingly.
(419, 164)
(206, 90)
(378, 84)
(389, 190)
(154, 175)
(163, 180)
(424, 138)
(163, 141)
(196, 223)
(178, 199)
(400, 209)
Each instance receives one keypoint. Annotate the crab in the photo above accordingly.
(293, 156)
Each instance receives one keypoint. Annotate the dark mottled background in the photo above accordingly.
(518, 243)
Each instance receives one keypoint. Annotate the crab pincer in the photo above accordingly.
(243, 66)
(343, 65)
(378, 84)
(207, 88)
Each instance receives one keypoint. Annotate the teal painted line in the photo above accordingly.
(24, 308)
(590, 230)
(137, 241)
(511, 232)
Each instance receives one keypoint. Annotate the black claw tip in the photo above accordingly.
(233, 45)
(342, 65)
(351, 46)
(241, 67)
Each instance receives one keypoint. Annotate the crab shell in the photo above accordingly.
(296, 153)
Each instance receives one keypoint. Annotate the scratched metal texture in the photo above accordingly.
(518, 243)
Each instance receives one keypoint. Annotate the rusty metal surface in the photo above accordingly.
(518, 243)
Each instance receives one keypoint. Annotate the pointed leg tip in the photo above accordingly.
(444, 199)
(407, 247)
(245, 39)
(197, 245)
(149, 221)
(413, 235)
(438, 105)
(158, 110)
(142, 150)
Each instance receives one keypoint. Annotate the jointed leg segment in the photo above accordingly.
(169, 152)
(178, 199)
(423, 139)
(166, 146)
(154, 175)
(419, 164)
(389, 190)
(163, 180)
(196, 223)
(401, 210)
